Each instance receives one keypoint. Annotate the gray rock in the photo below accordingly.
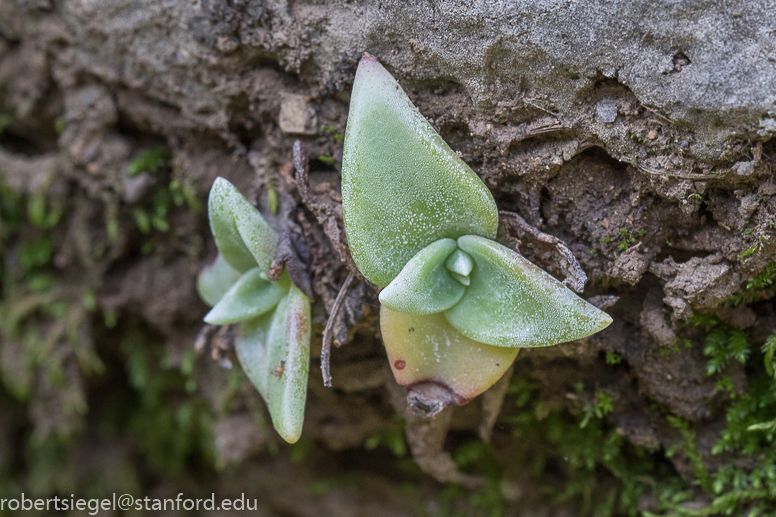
(606, 110)
(296, 116)
(698, 64)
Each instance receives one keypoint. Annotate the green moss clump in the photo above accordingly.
(149, 160)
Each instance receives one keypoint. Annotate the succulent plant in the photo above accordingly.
(456, 306)
(273, 338)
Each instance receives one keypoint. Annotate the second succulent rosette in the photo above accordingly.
(273, 337)
(456, 306)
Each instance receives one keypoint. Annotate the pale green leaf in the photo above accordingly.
(402, 186)
(465, 280)
(251, 296)
(250, 344)
(513, 303)
(241, 233)
(424, 285)
(460, 263)
(428, 348)
(215, 280)
(274, 352)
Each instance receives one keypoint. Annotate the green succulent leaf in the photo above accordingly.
(465, 280)
(428, 348)
(424, 286)
(513, 303)
(274, 351)
(460, 263)
(251, 296)
(242, 235)
(215, 280)
(402, 186)
(251, 346)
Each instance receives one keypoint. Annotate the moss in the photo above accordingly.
(575, 456)
(392, 438)
(747, 486)
(45, 330)
(149, 160)
(723, 343)
(691, 450)
(759, 288)
(571, 456)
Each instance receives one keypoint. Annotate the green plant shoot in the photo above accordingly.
(273, 339)
(456, 306)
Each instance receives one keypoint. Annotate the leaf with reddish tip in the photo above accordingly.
(274, 351)
(424, 286)
(402, 186)
(513, 303)
(429, 349)
(242, 235)
(215, 280)
(251, 296)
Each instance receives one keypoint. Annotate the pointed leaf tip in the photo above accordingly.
(460, 263)
(242, 235)
(403, 188)
(513, 303)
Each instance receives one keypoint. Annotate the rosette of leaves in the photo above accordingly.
(456, 306)
(273, 338)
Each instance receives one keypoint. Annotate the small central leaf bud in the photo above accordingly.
(459, 264)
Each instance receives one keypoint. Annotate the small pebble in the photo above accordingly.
(606, 110)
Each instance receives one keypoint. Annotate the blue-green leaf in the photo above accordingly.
(242, 235)
(215, 280)
(424, 285)
(274, 352)
(251, 296)
(402, 186)
(513, 303)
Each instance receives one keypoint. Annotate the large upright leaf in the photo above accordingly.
(513, 303)
(242, 235)
(275, 354)
(429, 349)
(402, 186)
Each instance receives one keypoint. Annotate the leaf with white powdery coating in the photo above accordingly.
(429, 349)
(215, 280)
(424, 285)
(402, 186)
(251, 296)
(513, 303)
(274, 352)
(242, 235)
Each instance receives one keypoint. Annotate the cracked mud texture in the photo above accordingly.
(639, 133)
